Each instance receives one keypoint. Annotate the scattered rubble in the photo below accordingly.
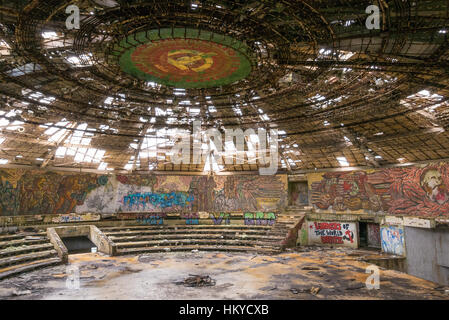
(198, 281)
(310, 268)
(313, 290)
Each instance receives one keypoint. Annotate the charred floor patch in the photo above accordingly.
(311, 274)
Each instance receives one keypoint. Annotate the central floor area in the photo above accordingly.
(312, 273)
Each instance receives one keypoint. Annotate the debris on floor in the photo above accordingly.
(198, 281)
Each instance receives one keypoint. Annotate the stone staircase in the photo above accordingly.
(24, 252)
(287, 223)
(291, 216)
(237, 238)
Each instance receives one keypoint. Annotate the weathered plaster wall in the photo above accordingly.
(25, 192)
(413, 191)
(428, 253)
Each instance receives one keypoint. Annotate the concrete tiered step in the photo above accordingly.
(140, 239)
(291, 216)
(25, 252)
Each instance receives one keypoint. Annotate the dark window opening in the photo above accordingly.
(363, 232)
(78, 244)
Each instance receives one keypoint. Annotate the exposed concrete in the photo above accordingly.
(428, 253)
(315, 273)
(103, 243)
(59, 246)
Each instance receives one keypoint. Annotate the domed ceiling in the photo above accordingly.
(111, 94)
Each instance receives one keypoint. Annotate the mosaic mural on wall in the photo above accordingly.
(414, 191)
(24, 192)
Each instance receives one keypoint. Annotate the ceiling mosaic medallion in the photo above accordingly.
(175, 59)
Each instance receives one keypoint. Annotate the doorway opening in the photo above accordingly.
(298, 193)
(80, 244)
(363, 232)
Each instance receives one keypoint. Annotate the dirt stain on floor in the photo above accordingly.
(313, 274)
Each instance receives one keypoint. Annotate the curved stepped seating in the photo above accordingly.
(25, 252)
(240, 238)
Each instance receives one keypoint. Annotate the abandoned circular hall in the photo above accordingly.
(224, 150)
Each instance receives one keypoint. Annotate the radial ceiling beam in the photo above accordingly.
(145, 129)
(359, 142)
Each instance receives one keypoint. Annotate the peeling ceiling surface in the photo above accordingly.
(116, 93)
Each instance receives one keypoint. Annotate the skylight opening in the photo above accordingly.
(109, 100)
(50, 35)
(194, 111)
(103, 166)
(237, 111)
(90, 155)
(25, 69)
(4, 48)
(83, 60)
(344, 56)
(343, 161)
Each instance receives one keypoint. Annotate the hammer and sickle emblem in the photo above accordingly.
(189, 60)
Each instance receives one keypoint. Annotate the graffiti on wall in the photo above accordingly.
(26, 192)
(393, 240)
(67, 218)
(140, 201)
(222, 218)
(191, 218)
(260, 219)
(373, 230)
(332, 233)
(151, 219)
(415, 191)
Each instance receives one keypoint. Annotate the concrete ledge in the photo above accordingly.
(59, 246)
(103, 243)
